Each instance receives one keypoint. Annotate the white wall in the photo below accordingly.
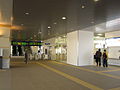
(114, 52)
(80, 48)
(86, 47)
(72, 48)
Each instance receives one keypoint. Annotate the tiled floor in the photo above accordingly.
(52, 75)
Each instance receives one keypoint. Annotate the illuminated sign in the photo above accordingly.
(113, 41)
(26, 43)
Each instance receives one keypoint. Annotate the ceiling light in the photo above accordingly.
(96, 0)
(49, 27)
(22, 24)
(92, 22)
(100, 34)
(63, 18)
(64, 36)
(27, 13)
(55, 23)
(83, 6)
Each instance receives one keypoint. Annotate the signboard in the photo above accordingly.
(113, 41)
(26, 43)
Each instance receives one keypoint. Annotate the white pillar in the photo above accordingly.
(72, 48)
(5, 26)
(80, 48)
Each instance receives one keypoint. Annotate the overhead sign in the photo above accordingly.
(26, 43)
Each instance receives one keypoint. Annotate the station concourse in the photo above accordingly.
(52, 44)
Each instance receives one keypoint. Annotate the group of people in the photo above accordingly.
(99, 55)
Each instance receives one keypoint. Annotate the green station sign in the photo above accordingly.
(26, 43)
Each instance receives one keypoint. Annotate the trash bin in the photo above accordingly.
(0, 62)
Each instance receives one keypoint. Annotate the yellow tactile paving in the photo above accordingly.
(2, 70)
(78, 81)
(84, 69)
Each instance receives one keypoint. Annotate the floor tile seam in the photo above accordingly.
(72, 74)
(83, 83)
(104, 74)
(100, 73)
(118, 88)
(97, 72)
(110, 70)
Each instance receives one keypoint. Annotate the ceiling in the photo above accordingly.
(42, 19)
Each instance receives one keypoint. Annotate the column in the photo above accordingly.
(80, 48)
(5, 26)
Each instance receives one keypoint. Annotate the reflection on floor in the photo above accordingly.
(52, 75)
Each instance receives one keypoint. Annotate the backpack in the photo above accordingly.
(98, 54)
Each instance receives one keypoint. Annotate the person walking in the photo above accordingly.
(26, 57)
(98, 57)
(105, 56)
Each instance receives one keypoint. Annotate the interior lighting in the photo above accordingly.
(83, 6)
(16, 27)
(49, 27)
(22, 24)
(27, 13)
(12, 19)
(96, 0)
(55, 23)
(100, 34)
(5, 25)
(64, 18)
(1, 33)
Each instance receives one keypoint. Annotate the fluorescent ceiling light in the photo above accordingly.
(27, 13)
(96, 0)
(55, 23)
(22, 24)
(63, 18)
(100, 34)
(49, 27)
(83, 6)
